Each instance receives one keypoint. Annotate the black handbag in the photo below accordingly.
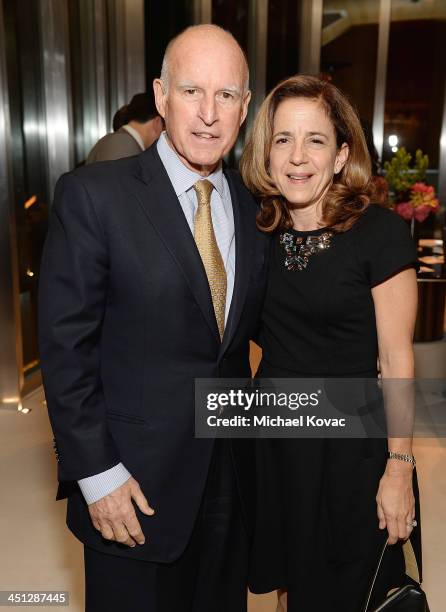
(408, 598)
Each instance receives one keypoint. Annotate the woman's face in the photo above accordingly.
(304, 156)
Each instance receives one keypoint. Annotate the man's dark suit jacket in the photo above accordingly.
(126, 325)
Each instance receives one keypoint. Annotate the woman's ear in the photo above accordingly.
(341, 158)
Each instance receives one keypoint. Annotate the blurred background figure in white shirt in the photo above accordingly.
(136, 126)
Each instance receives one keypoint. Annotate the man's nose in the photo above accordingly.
(298, 154)
(208, 110)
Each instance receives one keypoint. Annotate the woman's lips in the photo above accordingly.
(299, 179)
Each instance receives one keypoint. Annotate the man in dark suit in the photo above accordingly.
(153, 275)
(141, 127)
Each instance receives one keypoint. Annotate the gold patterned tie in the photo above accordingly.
(210, 253)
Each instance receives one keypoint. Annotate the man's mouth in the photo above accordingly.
(205, 135)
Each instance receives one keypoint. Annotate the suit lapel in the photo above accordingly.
(160, 204)
(244, 241)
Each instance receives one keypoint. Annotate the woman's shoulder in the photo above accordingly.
(383, 243)
(381, 222)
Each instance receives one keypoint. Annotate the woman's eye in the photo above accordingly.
(281, 140)
(317, 141)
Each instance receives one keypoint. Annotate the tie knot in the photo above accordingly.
(203, 189)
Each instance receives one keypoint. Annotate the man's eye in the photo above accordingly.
(190, 92)
(225, 97)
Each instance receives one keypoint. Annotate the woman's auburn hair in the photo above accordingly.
(352, 189)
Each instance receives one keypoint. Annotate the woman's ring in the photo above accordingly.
(412, 524)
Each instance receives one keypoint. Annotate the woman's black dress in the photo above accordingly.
(316, 528)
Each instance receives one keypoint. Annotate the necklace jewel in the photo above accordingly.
(299, 249)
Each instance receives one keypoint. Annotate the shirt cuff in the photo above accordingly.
(95, 487)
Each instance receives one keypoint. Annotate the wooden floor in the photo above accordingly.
(39, 553)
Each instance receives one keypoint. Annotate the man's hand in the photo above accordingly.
(114, 515)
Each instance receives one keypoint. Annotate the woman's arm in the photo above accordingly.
(395, 303)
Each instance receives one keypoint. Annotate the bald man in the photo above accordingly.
(153, 275)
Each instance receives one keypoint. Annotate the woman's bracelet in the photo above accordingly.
(402, 457)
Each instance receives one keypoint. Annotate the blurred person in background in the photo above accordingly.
(120, 117)
(140, 125)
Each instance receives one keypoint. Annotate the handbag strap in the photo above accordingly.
(375, 576)
(411, 568)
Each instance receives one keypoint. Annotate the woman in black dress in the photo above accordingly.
(342, 291)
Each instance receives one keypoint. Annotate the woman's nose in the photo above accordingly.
(298, 154)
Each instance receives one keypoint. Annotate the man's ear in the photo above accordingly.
(245, 103)
(160, 96)
(341, 158)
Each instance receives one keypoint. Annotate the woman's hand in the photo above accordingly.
(395, 501)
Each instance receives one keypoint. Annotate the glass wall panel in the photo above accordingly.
(107, 65)
(416, 72)
(83, 83)
(233, 15)
(349, 50)
(163, 21)
(90, 77)
(28, 132)
(283, 41)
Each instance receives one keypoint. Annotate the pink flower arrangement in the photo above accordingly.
(409, 194)
(422, 202)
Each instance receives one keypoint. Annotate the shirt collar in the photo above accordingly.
(181, 177)
(136, 135)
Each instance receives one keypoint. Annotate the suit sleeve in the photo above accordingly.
(72, 297)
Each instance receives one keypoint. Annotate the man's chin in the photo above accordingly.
(204, 161)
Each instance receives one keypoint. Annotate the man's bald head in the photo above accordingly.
(202, 34)
(203, 95)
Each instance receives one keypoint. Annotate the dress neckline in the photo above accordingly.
(315, 232)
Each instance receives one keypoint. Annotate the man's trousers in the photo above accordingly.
(211, 574)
